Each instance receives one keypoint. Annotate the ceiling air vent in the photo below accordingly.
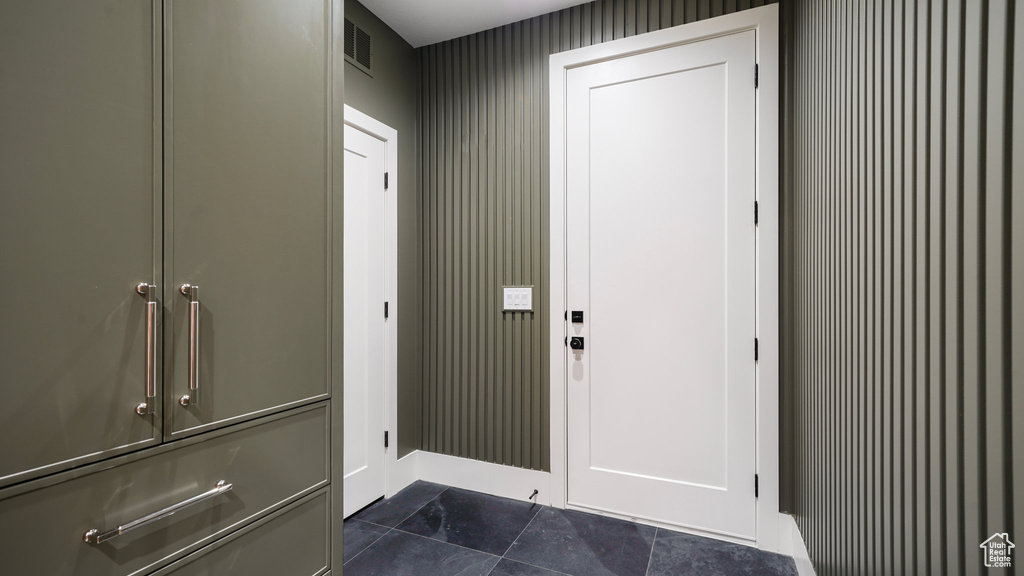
(358, 49)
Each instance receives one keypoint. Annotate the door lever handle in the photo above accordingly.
(192, 293)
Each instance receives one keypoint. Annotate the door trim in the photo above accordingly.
(765, 22)
(389, 136)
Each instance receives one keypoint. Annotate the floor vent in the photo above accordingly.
(358, 47)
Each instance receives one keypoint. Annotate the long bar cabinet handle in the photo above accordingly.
(148, 291)
(94, 536)
(192, 293)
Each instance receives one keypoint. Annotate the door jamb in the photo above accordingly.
(765, 22)
(389, 136)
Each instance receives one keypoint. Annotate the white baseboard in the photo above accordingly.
(400, 472)
(494, 479)
(791, 543)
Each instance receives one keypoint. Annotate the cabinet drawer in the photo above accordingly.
(291, 542)
(266, 464)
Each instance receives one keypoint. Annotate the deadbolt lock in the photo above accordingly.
(576, 343)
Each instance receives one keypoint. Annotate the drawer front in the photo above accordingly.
(266, 465)
(291, 542)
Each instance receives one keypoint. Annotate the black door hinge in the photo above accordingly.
(755, 212)
(385, 180)
(755, 76)
(385, 309)
(755, 349)
(755, 486)
(385, 438)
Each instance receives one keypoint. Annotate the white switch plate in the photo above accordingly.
(518, 298)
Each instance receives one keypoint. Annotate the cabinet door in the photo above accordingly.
(246, 208)
(79, 196)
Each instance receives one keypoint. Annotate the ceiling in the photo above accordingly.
(423, 22)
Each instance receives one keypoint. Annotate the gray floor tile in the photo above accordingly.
(584, 544)
(509, 568)
(392, 511)
(359, 535)
(402, 554)
(678, 554)
(471, 519)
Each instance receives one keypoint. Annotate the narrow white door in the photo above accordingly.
(660, 261)
(364, 319)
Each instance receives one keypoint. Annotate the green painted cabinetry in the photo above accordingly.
(246, 197)
(164, 143)
(79, 229)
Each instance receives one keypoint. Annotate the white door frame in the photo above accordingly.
(389, 136)
(765, 22)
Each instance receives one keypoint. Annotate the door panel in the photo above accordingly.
(80, 190)
(246, 206)
(364, 319)
(660, 253)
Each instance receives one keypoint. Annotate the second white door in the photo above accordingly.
(365, 372)
(660, 262)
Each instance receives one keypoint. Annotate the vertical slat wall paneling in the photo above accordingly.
(1015, 256)
(902, 257)
(484, 168)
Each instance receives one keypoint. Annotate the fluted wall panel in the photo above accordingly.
(484, 173)
(903, 281)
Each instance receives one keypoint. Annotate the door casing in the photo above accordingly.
(764, 21)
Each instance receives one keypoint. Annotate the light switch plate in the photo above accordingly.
(518, 298)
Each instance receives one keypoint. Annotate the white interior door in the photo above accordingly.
(364, 319)
(660, 155)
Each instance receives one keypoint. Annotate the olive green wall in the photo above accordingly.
(390, 96)
(903, 228)
(903, 280)
(484, 178)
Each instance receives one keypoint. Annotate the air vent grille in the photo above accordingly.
(350, 39)
(358, 47)
(362, 47)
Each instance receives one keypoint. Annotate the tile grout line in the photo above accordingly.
(390, 530)
(399, 523)
(535, 566)
(416, 511)
(535, 514)
(654, 543)
(370, 523)
(445, 543)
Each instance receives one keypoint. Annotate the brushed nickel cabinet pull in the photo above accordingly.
(94, 536)
(192, 293)
(148, 291)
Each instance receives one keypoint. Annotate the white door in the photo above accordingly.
(364, 319)
(660, 260)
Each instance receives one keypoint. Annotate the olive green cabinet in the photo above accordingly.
(245, 219)
(107, 521)
(80, 212)
(181, 145)
(292, 542)
(165, 257)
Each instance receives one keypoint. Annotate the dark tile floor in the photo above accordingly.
(432, 530)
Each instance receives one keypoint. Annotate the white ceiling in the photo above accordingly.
(423, 22)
